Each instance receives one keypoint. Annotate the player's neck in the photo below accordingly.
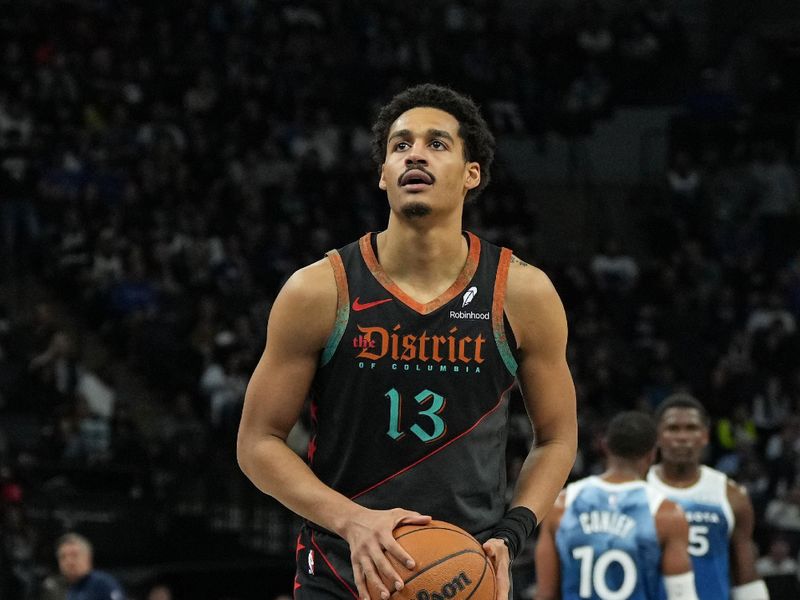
(422, 256)
(622, 472)
(678, 474)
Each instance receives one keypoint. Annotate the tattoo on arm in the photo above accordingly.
(517, 261)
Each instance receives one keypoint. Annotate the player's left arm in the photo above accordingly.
(539, 323)
(744, 578)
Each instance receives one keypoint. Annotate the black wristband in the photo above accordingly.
(515, 528)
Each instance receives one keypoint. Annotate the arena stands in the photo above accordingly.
(164, 167)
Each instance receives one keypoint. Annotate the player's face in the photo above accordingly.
(425, 169)
(74, 561)
(682, 436)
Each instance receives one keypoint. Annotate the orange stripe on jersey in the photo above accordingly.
(342, 306)
(498, 302)
(464, 277)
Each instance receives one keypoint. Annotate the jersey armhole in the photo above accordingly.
(726, 507)
(654, 499)
(342, 307)
(573, 489)
(503, 335)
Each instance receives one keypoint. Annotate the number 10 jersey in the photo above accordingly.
(607, 542)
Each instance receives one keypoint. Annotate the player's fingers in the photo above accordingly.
(398, 552)
(372, 580)
(497, 551)
(387, 571)
(410, 517)
(361, 582)
(502, 585)
(405, 517)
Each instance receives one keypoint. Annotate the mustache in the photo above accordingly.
(415, 167)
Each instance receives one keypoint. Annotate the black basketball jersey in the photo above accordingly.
(410, 401)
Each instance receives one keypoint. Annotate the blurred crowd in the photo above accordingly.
(164, 168)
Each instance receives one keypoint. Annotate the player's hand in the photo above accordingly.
(369, 535)
(497, 551)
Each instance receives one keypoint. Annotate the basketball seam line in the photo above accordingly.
(478, 585)
(438, 528)
(446, 558)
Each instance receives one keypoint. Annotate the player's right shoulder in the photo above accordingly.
(307, 301)
(313, 283)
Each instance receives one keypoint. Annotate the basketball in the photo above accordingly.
(450, 563)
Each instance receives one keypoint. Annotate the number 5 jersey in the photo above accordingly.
(711, 523)
(410, 402)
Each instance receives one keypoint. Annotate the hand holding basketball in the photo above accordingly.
(450, 563)
(371, 546)
(497, 552)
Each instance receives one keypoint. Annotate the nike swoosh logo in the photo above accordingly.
(358, 306)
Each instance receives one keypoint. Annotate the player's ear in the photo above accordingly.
(382, 180)
(472, 176)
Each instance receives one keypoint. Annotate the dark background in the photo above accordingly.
(165, 166)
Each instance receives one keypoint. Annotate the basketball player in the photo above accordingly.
(613, 536)
(719, 512)
(409, 341)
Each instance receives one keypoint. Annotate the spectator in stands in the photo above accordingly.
(19, 218)
(783, 514)
(159, 591)
(782, 453)
(224, 382)
(18, 539)
(75, 561)
(778, 206)
(777, 560)
(779, 570)
(53, 587)
(56, 370)
(684, 186)
(771, 407)
(735, 435)
(615, 271)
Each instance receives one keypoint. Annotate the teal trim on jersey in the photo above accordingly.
(498, 312)
(342, 308)
(504, 349)
(342, 316)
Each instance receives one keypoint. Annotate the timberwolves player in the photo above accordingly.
(407, 342)
(612, 536)
(719, 512)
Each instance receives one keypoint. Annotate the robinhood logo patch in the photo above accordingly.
(468, 296)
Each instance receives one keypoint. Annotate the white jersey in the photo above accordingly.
(711, 522)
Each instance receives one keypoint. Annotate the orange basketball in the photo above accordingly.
(450, 563)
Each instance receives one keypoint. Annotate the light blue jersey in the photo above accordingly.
(710, 525)
(607, 542)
